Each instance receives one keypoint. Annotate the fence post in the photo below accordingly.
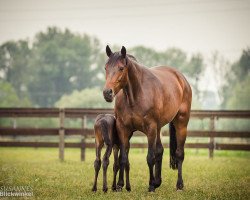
(61, 134)
(84, 125)
(14, 126)
(211, 143)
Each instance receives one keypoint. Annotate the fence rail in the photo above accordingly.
(85, 133)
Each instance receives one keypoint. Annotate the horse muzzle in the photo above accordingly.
(108, 95)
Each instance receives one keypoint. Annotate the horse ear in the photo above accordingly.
(123, 52)
(108, 51)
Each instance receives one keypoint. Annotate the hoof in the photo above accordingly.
(128, 189)
(179, 185)
(157, 183)
(114, 188)
(118, 188)
(104, 190)
(94, 189)
(151, 188)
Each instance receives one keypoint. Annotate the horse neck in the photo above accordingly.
(133, 88)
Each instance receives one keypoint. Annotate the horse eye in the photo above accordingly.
(121, 69)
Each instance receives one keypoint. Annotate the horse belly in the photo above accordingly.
(168, 114)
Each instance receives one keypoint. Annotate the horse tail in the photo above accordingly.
(173, 146)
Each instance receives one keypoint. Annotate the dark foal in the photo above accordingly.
(146, 100)
(105, 133)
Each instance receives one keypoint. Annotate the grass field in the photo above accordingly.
(227, 176)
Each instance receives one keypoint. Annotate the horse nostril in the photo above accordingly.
(108, 92)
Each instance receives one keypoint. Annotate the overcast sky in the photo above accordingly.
(192, 25)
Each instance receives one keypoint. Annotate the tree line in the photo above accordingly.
(64, 69)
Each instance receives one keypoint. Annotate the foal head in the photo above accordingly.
(116, 73)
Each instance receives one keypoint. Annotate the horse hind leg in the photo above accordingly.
(158, 161)
(180, 156)
(151, 159)
(105, 163)
(180, 125)
(97, 165)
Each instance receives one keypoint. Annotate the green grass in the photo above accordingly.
(227, 176)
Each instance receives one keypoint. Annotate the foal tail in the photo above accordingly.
(173, 146)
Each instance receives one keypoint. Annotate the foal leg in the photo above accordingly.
(151, 159)
(115, 167)
(97, 165)
(158, 161)
(105, 163)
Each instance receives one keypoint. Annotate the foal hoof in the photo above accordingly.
(118, 188)
(104, 190)
(157, 183)
(151, 188)
(94, 189)
(179, 186)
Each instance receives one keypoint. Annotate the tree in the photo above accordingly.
(146, 56)
(62, 62)
(241, 68)
(58, 62)
(171, 57)
(9, 97)
(236, 92)
(14, 58)
(240, 95)
(175, 57)
(87, 98)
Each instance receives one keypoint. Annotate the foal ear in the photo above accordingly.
(123, 52)
(108, 51)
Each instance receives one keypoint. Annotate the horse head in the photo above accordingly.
(116, 73)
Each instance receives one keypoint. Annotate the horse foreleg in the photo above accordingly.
(151, 159)
(105, 164)
(120, 183)
(123, 134)
(158, 161)
(127, 168)
(97, 165)
(123, 159)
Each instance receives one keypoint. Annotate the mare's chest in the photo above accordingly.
(135, 117)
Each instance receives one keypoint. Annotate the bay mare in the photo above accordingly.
(146, 100)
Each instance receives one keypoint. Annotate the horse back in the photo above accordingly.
(175, 91)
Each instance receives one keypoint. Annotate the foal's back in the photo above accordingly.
(105, 130)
